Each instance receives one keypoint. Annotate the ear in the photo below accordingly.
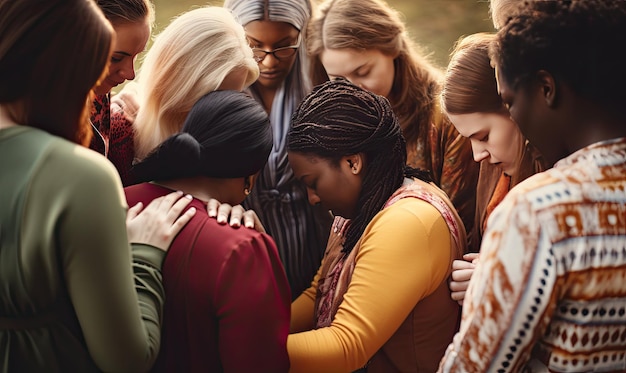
(548, 87)
(354, 162)
(251, 179)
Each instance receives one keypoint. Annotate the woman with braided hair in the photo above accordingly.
(365, 41)
(380, 300)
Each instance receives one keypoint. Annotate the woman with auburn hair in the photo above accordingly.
(80, 272)
(470, 99)
(366, 42)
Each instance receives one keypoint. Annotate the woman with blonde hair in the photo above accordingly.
(200, 51)
(366, 42)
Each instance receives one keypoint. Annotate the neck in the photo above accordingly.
(5, 119)
(266, 94)
(205, 188)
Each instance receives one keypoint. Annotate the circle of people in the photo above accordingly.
(295, 187)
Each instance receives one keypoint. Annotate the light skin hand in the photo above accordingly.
(127, 100)
(160, 221)
(237, 214)
(462, 271)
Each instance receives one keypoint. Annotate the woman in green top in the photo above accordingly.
(71, 299)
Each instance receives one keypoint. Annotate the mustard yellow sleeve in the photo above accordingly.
(404, 256)
(302, 308)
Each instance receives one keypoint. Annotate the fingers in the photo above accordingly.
(236, 215)
(182, 220)
(251, 220)
(212, 207)
(471, 257)
(134, 211)
(456, 286)
(160, 221)
(175, 205)
(462, 264)
(223, 212)
(458, 297)
(462, 274)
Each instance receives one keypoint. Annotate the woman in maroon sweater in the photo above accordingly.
(227, 303)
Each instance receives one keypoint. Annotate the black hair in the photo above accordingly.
(226, 134)
(339, 119)
(577, 41)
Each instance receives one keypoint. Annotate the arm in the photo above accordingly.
(498, 301)
(253, 309)
(370, 313)
(303, 308)
(118, 304)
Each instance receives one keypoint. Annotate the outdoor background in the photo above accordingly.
(433, 24)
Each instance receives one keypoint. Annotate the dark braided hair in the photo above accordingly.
(339, 119)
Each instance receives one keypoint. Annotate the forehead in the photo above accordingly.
(132, 35)
(344, 61)
(271, 31)
(305, 164)
(472, 123)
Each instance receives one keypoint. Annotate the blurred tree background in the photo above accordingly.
(433, 24)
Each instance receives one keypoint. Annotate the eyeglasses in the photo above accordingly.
(278, 53)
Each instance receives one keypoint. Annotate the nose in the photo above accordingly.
(479, 152)
(270, 61)
(314, 199)
(128, 71)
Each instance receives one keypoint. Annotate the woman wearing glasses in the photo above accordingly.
(276, 32)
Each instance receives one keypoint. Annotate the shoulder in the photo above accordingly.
(408, 215)
(84, 164)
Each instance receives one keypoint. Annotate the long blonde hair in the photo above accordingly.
(373, 24)
(190, 58)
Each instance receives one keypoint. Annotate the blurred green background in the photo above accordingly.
(433, 24)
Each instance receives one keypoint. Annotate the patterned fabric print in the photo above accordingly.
(100, 123)
(327, 300)
(550, 290)
(122, 146)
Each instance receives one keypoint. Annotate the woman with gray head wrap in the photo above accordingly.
(276, 32)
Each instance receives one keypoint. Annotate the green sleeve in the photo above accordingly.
(117, 294)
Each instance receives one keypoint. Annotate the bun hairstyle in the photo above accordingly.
(227, 134)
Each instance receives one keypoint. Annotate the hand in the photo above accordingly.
(462, 271)
(128, 101)
(221, 211)
(160, 221)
